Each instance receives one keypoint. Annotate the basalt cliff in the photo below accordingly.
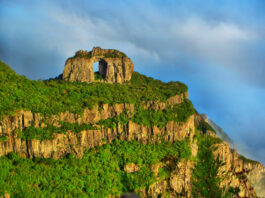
(121, 105)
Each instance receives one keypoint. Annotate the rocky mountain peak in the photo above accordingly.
(114, 66)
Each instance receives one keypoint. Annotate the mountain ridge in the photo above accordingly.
(50, 124)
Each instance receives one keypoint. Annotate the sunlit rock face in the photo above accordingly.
(114, 66)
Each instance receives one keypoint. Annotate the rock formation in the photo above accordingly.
(114, 66)
(76, 144)
(253, 171)
(179, 182)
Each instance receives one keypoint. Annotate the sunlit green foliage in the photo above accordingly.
(3, 138)
(206, 177)
(204, 127)
(98, 174)
(55, 95)
(113, 54)
(247, 160)
(178, 113)
(47, 132)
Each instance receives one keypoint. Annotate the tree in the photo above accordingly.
(206, 177)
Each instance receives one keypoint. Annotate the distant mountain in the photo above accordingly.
(219, 131)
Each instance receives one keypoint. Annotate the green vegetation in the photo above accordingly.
(83, 55)
(206, 177)
(204, 127)
(113, 122)
(98, 174)
(247, 160)
(214, 140)
(3, 138)
(97, 76)
(54, 96)
(47, 132)
(114, 55)
(178, 113)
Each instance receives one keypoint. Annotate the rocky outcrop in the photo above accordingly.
(131, 168)
(11, 125)
(157, 105)
(114, 66)
(180, 179)
(179, 184)
(241, 174)
(252, 172)
(247, 176)
(256, 177)
(77, 143)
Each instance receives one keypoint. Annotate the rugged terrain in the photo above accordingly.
(145, 131)
(256, 174)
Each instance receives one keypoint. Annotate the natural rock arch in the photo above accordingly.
(114, 66)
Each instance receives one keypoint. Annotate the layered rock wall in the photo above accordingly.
(11, 125)
(179, 182)
(114, 66)
(77, 143)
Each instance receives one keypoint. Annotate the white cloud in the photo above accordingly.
(219, 43)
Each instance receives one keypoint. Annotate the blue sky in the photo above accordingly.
(216, 47)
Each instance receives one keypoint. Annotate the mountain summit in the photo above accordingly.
(84, 137)
(114, 66)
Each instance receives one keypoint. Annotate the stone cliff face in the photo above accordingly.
(255, 172)
(66, 143)
(179, 183)
(239, 174)
(114, 66)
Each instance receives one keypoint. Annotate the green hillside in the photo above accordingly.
(54, 96)
(101, 170)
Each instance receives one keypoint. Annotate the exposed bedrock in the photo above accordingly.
(114, 66)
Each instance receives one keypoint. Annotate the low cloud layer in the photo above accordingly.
(216, 48)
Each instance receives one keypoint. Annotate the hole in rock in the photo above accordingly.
(97, 75)
(96, 67)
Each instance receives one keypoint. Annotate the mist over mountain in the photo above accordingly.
(219, 131)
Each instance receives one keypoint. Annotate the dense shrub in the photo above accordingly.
(247, 160)
(206, 176)
(204, 127)
(3, 138)
(46, 133)
(98, 174)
